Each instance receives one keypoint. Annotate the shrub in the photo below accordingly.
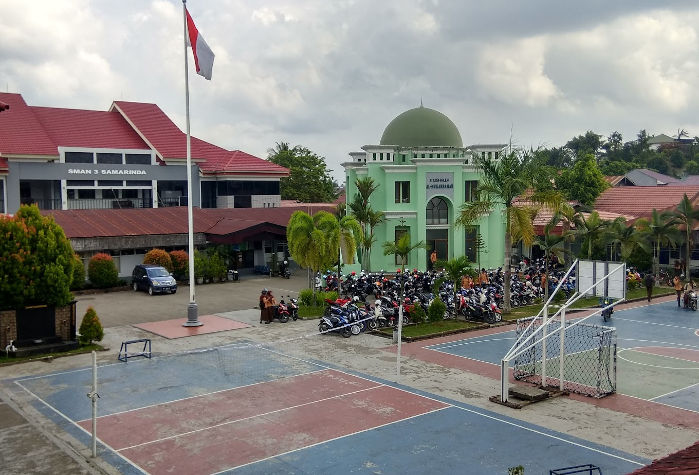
(306, 297)
(180, 264)
(102, 271)
(201, 265)
(158, 257)
(632, 283)
(78, 281)
(321, 296)
(217, 266)
(436, 311)
(36, 261)
(418, 314)
(91, 327)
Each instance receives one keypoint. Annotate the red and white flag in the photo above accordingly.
(203, 56)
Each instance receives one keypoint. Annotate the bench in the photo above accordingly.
(145, 352)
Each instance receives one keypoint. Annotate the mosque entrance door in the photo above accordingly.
(438, 240)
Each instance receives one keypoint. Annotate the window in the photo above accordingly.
(374, 156)
(472, 243)
(437, 212)
(400, 232)
(471, 188)
(497, 155)
(110, 158)
(490, 155)
(483, 155)
(110, 183)
(79, 157)
(137, 159)
(86, 194)
(402, 192)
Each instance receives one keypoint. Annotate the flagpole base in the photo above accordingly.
(192, 318)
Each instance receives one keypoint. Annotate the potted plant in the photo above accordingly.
(199, 267)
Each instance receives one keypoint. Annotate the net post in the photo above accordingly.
(93, 395)
(543, 344)
(562, 347)
(504, 378)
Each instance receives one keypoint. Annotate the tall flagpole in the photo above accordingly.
(192, 318)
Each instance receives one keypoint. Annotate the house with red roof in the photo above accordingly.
(129, 156)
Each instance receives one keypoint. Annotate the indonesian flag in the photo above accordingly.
(203, 56)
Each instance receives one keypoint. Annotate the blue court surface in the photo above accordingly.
(447, 437)
(657, 355)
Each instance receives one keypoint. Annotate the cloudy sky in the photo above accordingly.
(331, 74)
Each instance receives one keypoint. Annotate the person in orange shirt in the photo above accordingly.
(677, 282)
(466, 282)
(483, 278)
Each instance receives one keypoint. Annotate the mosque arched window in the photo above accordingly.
(437, 212)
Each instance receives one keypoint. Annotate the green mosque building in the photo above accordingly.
(424, 175)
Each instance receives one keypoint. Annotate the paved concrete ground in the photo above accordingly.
(41, 439)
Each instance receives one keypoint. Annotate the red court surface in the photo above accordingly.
(172, 329)
(679, 353)
(220, 431)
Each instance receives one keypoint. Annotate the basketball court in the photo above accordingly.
(260, 409)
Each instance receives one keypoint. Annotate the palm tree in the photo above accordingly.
(279, 147)
(550, 244)
(402, 248)
(455, 269)
(662, 231)
(367, 217)
(687, 216)
(592, 227)
(625, 238)
(342, 237)
(308, 243)
(502, 182)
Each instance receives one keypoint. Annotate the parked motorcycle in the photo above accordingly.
(293, 307)
(281, 311)
(336, 323)
(690, 300)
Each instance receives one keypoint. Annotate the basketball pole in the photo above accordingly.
(94, 396)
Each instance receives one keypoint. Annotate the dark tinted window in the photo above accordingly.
(109, 158)
(158, 272)
(137, 159)
(79, 157)
(80, 182)
(138, 183)
(110, 183)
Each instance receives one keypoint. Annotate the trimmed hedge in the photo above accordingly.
(102, 271)
(78, 281)
(180, 264)
(158, 257)
(91, 327)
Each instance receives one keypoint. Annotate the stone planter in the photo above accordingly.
(200, 280)
(38, 325)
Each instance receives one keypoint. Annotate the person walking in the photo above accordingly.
(677, 268)
(269, 307)
(433, 258)
(483, 278)
(649, 281)
(677, 282)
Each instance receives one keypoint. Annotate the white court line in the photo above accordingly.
(655, 323)
(203, 395)
(378, 385)
(332, 440)
(675, 391)
(72, 422)
(467, 341)
(654, 354)
(464, 357)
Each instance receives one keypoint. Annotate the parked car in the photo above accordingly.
(154, 279)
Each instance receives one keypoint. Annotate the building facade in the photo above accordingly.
(424, 175)
(130, 156)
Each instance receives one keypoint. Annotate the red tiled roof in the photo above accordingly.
(157, 129)
(3, 106)
(86, 128)
(639, 201)
(172, 220)
(4, 166)
(237, 162)
(614, 179)
(131, 222)
(684, 462)
(21, 132)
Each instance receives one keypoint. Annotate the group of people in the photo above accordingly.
(682, 289)
(267, 303)
(467, 282)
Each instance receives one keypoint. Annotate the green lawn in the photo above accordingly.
(311, 311)
(5, 360)
(422, 329)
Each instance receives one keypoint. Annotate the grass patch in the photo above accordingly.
(423, 329)
(7, 360)
(311, 311)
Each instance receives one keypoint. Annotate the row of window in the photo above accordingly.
(402, 191)
(108, 158)
(490, 155)
(403, 156)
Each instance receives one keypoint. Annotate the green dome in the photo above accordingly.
(422, 127)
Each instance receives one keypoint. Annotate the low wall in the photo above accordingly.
(65, 320)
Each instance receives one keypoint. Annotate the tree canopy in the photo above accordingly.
(309, 180)
(584, 182)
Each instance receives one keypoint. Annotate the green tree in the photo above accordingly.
(401, 248)
(90, 327)
(368, 219)
(454, 269)
(78, 281)
(614, 146)
(592, 228)
(625, 239)
(662, 230)
(691, 167)
(102, 271)
(342, 236)
(584, 182)
(590, 143)
(503, 181)
(309, 179)
(36, 261)
(659, 164)
(687, 216)
(308, 243)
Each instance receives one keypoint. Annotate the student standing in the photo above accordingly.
(649, 280)
(677, 282)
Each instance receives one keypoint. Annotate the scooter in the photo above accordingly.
(690, 300)
(281, 311)
(336, 323)
(293, 307)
